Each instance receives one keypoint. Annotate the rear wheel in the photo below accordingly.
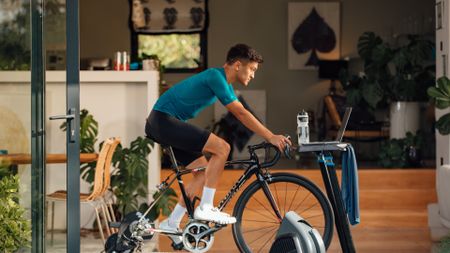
(257, 224)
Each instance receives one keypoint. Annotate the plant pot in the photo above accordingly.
(404, 117)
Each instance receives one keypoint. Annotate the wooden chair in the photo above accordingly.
(94, 198)
(108, 199)
(355, 133)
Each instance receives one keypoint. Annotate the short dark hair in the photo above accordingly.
(243, 52)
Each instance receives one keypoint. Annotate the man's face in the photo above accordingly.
(246, 72)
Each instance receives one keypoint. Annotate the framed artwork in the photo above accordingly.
(313, 33)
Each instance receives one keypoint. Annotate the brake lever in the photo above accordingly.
(287, 148)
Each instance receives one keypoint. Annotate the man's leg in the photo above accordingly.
(192, 188)
(174, 219)
(219, 150)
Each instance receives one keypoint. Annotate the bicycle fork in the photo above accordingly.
(269, 195)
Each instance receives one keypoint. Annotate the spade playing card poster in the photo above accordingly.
(313, 33)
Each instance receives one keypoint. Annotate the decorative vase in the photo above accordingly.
(404, 117)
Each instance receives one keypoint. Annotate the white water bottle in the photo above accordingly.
(302, 127)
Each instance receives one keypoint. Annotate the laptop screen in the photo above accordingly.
(340, 134)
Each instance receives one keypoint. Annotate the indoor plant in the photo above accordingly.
(440, 95)
(88, 138)
(129, 180)
(392, 75)
(403, 152)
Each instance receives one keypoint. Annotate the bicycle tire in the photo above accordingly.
(258, 233)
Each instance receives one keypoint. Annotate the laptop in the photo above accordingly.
(341, 131)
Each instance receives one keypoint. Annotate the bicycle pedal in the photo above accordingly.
(218, 225)
(179, 246)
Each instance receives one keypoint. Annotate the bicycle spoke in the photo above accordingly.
(311, 217)
(306, 209)
(276, 193)
(295, 195)
(301, 202)
(261, 221)
(265, 207)
(258, 224)
(259, 212)
(285, 196)
(261, 237)
(258, 229)
(270, 239)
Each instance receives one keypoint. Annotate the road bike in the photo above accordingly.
(259, 210)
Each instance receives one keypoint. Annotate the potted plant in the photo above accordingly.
(395, 76)
(402, 153)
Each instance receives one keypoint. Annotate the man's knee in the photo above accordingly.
(217, 146)
(223, 148)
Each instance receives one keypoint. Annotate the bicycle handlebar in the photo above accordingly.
(265, 145)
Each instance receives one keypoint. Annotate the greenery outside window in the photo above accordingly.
(174, 31)
(177, 52)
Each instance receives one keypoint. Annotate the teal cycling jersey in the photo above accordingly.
(187, 98)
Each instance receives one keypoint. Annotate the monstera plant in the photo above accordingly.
(390, 73)
(441, 98)
(88, 138)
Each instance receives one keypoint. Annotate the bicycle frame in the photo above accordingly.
(253, 168)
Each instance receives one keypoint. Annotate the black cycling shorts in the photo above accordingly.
(187, 140)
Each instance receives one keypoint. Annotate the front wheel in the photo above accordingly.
(257, 224)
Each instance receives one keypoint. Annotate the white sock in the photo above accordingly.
(208, 196)
(176, 216)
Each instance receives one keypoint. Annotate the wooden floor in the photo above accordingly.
(393, 205)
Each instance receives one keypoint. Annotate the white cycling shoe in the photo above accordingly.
(209, 213)
(176, 239)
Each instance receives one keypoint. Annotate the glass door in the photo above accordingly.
(62, 123)
(32, 37)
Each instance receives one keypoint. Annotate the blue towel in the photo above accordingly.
(350, 186)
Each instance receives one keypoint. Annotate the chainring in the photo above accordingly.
(196, 237)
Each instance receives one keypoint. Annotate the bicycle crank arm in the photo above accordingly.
(165, 232)
(211, 231)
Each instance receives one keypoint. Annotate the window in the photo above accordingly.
(175, 31)
(177, 52)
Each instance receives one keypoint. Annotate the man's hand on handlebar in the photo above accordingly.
(280, 141)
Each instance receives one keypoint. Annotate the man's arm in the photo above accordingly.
(250, 121)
